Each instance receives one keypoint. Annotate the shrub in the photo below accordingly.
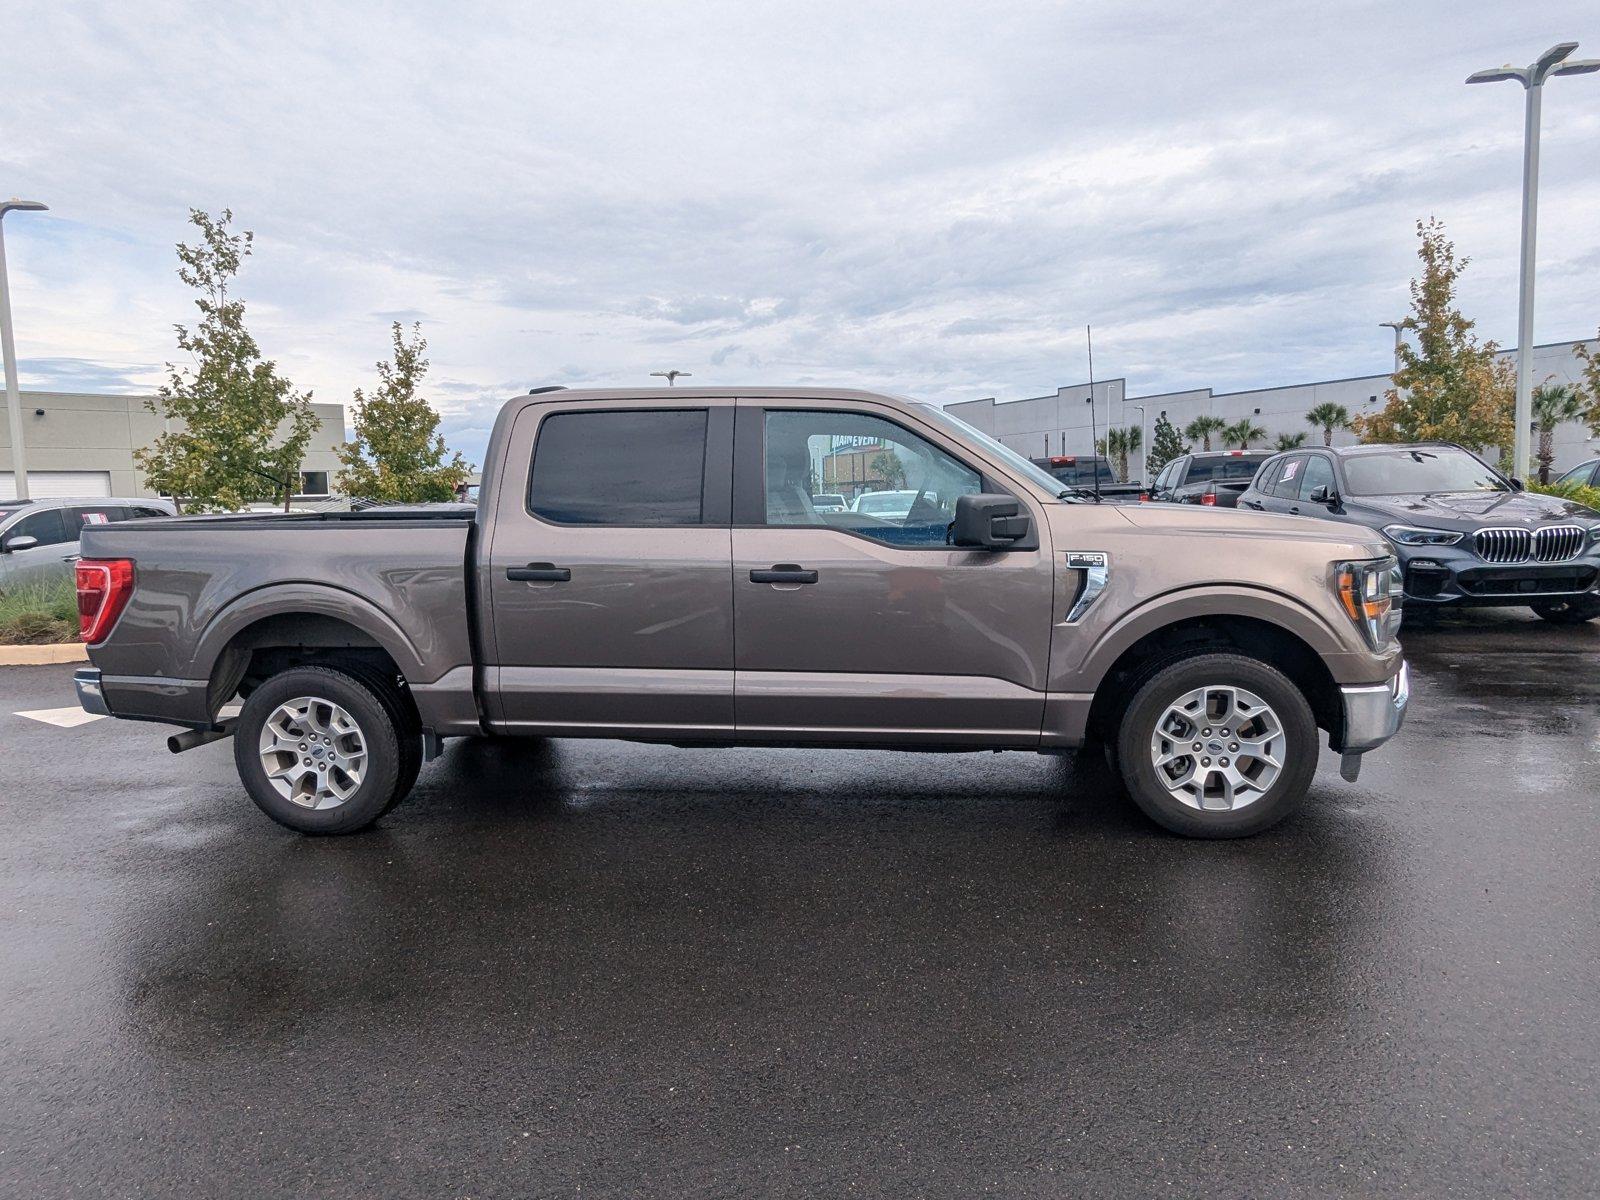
(39, 612)
(1583, 495)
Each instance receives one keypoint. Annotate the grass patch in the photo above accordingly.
(39, 613)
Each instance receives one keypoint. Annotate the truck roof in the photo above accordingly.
(751, 392)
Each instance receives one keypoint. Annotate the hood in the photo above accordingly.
(1468, 511)
(1203, 521)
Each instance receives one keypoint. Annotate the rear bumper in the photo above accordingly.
(1373, 715)
(90, 698)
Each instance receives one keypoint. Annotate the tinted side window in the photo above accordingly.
(1267, 476)
(1288, 484)
(1318, 472)
(46, 525)
(620, 468)
(97, 514)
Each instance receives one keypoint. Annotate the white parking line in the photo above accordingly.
(63, 718)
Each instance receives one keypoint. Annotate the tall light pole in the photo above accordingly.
(671, 377)
(1397, 326)
(1144, 446)
(8, 350)
(1531, 77)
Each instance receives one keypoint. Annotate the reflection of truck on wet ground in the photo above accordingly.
(1090, 474)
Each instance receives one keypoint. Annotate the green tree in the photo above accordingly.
(1201, 428)
(1243, 431)
(1553, 405)
(398, 453)
(1328, 417)
(1165, 445)
(242, 429)
(1293, 441)
(890, 471)
(1591, 383)
(1119, 444)
(1449, 387)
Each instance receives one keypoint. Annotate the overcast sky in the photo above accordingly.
(931, 198)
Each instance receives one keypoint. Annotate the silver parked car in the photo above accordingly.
(39, 538)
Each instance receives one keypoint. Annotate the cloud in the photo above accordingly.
(932, 199)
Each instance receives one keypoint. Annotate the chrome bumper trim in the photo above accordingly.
(1373, 715)
(92, 700)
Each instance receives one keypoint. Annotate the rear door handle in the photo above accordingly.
(783, 573)
(539, 573)
(1295, 509)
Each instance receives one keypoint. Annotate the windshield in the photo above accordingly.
(1417, 472)
(1204, 470)
(1035, 475)
(1081, 473)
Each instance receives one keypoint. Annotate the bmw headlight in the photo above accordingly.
(1370, 592)
(1411, 535)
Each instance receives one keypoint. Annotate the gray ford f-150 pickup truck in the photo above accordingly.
(650, 565)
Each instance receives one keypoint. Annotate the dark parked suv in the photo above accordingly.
(1464, 534)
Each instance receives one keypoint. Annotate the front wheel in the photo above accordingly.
(1218, 746)
(1573, 611)
(319, 751)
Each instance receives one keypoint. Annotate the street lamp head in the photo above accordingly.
(1578, 66)
(1498, 74)
(21, 206)
(1553, 55)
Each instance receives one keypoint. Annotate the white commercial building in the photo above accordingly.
(82, 444)
(1060, 423)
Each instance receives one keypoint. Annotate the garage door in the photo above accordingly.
(43, 485)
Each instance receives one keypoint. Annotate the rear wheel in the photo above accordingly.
(319, 751)
(1217, 746)
(1572, 611)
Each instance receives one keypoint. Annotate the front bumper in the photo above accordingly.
(90, 696)
(1455, 575)
(1373, 715)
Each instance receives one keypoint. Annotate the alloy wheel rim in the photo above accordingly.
(1218, 748)
(313, 752)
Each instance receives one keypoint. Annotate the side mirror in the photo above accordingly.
(1517, 485)
(989, 522)
(25, 542)
(1323, 494)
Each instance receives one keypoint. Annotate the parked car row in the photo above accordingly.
(39, 538)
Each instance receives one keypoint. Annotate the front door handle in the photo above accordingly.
(783, 573)
(539, 573)
(1295, 509)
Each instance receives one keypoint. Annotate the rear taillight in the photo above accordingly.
(1209, 496)
(104, 585)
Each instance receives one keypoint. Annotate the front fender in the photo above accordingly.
(1083, 667)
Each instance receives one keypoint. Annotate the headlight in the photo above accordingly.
(1410, 535)
(1370, 594)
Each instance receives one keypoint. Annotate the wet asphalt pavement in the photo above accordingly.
(600, 969)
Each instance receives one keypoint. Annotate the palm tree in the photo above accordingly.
(1553, 404)
(1243, 431)
(1291, 441)
(1120, 443)
(1201, 428)
(1329, 417)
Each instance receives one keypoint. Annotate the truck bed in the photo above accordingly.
(398, 576)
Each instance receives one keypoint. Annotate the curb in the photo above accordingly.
(40, 656)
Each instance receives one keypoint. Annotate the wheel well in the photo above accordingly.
(284, 640)
(1202, 635)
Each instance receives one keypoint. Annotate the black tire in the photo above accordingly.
(404, 714)
(379, 788)
(1160, 690)
(1574, 610)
